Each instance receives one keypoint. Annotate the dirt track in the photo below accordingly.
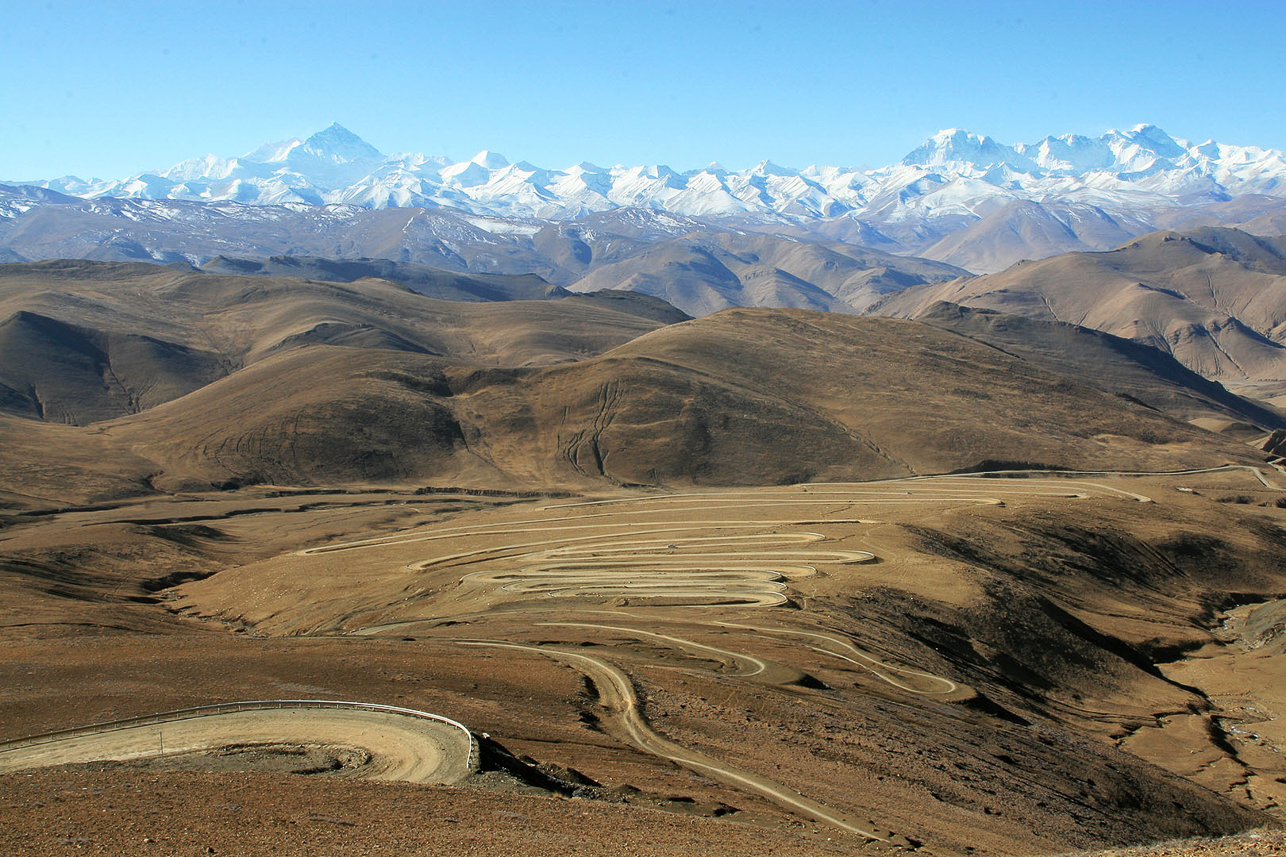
(700, 563)
(619, 697)
(642, 549)
(619, 547)
(684, 647)
(402, 748)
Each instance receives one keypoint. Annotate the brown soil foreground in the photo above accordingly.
(52, 812)
(958, 665)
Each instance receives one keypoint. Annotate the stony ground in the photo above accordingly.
(59, 812)
(1257, 843)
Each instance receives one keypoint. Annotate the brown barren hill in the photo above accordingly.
(1109, 363)
(912, 398)
(740, 397)
(85, 341)
(422, 279)
(1214, 298)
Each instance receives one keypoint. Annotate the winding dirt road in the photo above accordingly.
(618, 697)
(671, 553)
(921, 682)
(618, 547)
(401, 746)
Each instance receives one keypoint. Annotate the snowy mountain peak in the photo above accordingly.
(959, 140)
(1209, 149)
(768, 168)
(489, 160)
(1145, 140)
(954, 148)
(211, 166)
(273, 153)
(954, 177)
(1070, 153)
(340, 145)
(1148, 131)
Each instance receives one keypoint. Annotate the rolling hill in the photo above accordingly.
(205, 380)
(1108, 363)
(1214, 298)
(739, 397)
(83, 341)
(421, 279)
(702, 273)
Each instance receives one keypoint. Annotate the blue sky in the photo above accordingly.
(109, 89)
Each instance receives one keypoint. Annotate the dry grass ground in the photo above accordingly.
(645, 574)
(954, 664)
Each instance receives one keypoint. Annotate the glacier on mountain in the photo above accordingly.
(953, 173)
(1068, 192)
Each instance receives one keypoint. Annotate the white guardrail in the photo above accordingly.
(471, 759)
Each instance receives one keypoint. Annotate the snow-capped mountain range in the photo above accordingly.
(959, 198)
(953, 173)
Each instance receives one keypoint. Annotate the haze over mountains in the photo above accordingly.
(708, 267)
(960, 198)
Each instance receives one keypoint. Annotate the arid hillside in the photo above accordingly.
(702, 273)
(422, 279)
(951, 666)
(1109, 363)
(767, 580)
(1214, 298)
(742, 397)
(83, 341)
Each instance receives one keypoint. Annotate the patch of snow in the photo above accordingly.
(503, 227)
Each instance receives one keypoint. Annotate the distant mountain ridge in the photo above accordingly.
(1081, 192)
(335, 166)
(635, 249)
